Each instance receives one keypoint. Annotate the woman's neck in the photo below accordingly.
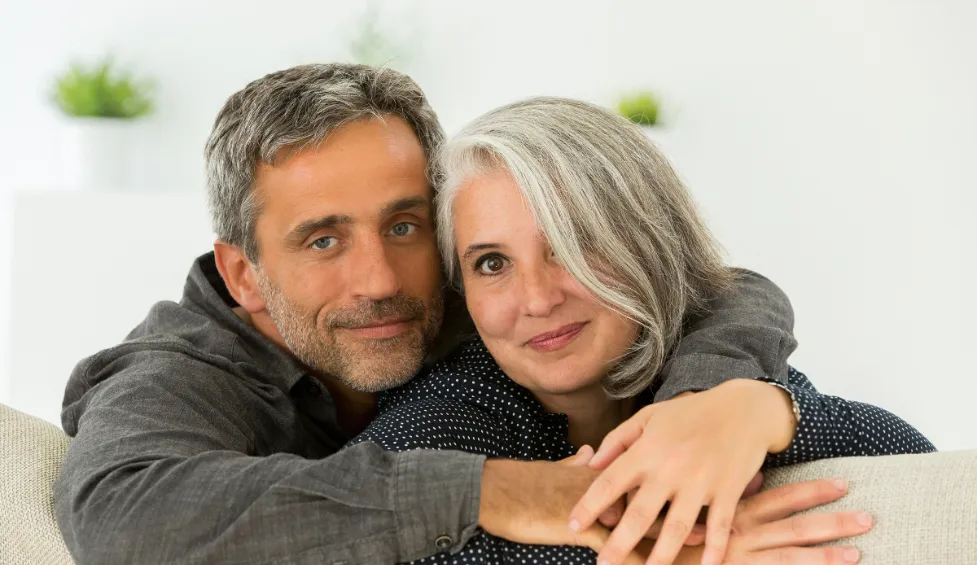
(591, 413)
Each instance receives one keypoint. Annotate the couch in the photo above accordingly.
(925, 506)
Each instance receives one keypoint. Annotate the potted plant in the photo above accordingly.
(641, 108)
(101, 103)
(644, 109)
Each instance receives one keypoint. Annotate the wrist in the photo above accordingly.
(492, 504)
(768, 411)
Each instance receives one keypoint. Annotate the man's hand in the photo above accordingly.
(765, 531)
(530, 501)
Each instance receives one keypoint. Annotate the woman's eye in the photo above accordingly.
(324, 242)
(490, 265)
(403, 229)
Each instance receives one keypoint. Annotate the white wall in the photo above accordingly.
(830, 143)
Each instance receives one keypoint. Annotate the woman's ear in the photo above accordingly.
(239, 276)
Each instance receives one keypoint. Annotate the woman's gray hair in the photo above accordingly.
(292, 110)
(611, 207)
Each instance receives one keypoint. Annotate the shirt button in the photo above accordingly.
(443, 543)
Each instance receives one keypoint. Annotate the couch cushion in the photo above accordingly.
(31, 451)
(925, 506)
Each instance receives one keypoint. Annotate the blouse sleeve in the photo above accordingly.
(834, 427)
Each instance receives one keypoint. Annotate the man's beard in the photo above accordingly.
(367, 365)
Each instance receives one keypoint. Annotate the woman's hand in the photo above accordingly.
(698, 450)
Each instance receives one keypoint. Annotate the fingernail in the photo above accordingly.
(851, 555)
(603, 562)
(841, 484)
(575, 525)
(864, 519)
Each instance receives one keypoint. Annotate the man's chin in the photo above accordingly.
(376, 365)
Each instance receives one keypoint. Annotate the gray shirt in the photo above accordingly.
(197, 440)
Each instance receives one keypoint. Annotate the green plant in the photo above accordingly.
(641, 108)
(370, 44)
(102, 91)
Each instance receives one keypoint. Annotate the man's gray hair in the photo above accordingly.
(611, 207)
(291, 110)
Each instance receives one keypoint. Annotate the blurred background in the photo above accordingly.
(832, 146)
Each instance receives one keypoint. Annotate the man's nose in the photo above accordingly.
(373, 275)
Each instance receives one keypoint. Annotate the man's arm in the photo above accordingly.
(160, 473)
(747, 332)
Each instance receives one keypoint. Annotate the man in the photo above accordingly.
(213, 434)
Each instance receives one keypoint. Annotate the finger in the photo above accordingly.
(809, 529)
(753, 486)
(616, 443)
(807, 556)
(579, 459)
(594, 537)
(638, 518)
(719, 524)
(778, 503)
(583, 456)
(609, 486)
(698, 535)
(610, 517)
(678, 525)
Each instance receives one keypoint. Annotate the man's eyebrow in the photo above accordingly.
(475, 248)
(405, 204)
(309, 227)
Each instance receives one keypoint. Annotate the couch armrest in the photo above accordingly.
(31, 452)
(925, 506)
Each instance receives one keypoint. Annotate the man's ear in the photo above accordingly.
(239, 276)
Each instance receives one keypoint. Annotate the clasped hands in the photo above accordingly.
(695, 452)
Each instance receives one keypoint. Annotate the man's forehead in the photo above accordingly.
(359, 176)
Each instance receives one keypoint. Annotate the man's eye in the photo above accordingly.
(403, 229)
(324, 242)
(490, 265)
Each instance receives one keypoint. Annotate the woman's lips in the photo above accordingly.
(553, 341)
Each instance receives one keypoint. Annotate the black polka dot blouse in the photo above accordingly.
(467, 403)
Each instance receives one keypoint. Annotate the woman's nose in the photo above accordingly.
(543, 290)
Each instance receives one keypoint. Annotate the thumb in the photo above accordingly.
(581, 458)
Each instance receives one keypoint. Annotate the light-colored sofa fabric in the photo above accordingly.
(925, 506)
(31, 451)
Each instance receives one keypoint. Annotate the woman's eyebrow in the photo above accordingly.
(476, 247)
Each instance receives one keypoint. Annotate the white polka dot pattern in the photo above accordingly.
(467, 403)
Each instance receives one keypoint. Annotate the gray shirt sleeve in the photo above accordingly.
(747, 332)
(161, 472)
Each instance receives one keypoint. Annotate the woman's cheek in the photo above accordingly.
(494, 313)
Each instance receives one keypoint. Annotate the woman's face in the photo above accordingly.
(545, 329)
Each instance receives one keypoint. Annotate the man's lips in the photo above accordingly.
(558, 339)
(386, 328)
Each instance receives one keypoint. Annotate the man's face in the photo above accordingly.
(349, 268)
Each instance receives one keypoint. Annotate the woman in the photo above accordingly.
(580, 255)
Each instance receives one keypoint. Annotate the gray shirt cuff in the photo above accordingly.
(437, 497)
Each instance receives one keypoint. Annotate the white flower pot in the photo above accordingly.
(98, 153)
